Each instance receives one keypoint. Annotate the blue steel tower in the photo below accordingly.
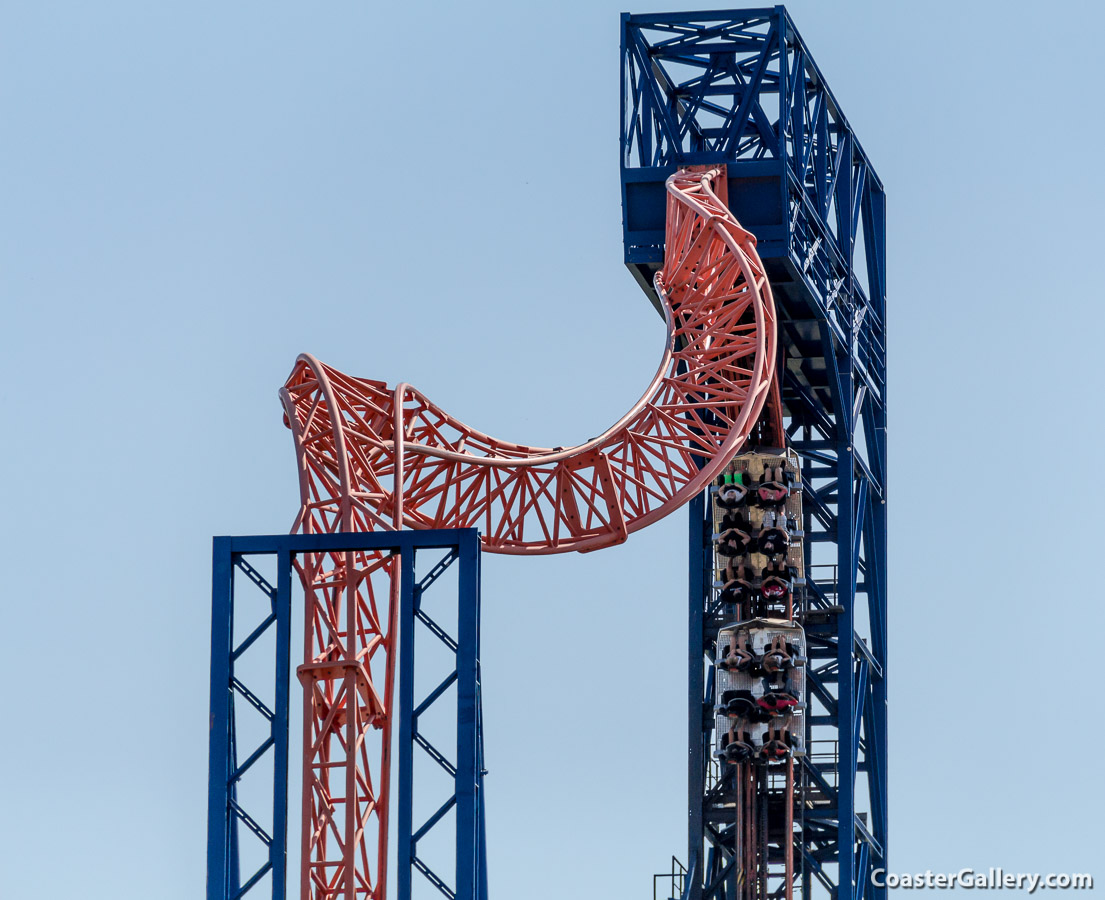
(740, 88)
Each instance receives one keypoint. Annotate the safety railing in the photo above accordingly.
(672, 882)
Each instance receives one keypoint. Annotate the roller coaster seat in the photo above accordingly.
(739, 747)
(773, 542)
(776, 657)
(776, 745)
(739, 704)
(773, 489)
(737, 589)
(734, 542)
(738, 658)
(774, 588)
(777, 701)
(733, 490)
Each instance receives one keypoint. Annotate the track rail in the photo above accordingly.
(374, 457)
(379, 457)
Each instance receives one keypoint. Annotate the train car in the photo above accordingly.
(757, 519)
(760, 690)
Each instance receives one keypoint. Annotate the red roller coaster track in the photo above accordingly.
(373, 457)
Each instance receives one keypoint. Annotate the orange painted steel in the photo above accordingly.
(374, 457)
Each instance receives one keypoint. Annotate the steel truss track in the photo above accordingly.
(372, 457)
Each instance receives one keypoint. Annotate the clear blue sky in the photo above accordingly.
(195, 192)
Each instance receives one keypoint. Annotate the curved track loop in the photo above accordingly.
(371, 457)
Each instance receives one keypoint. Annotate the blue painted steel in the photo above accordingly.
(698, 749)
(280, 725)
(700, 88)
(469, 773)
(226, 817)
(741, 88)
(221, 760)
(405, 855)
(466, 769)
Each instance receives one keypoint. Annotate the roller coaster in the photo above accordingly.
(756, 226)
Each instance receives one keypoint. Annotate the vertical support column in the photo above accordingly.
(417, 622)
(468, 770)
(219, 745)
(306, 799)
(283, 612)
(782, 35)
(483, 817)
(877, 735)
(405, 855)
(875, 725)
(229, 816)
(874, 225)
(696, 749)
(847, 726)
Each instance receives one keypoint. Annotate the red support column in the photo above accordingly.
(347, 725)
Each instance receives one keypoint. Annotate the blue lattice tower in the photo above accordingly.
(741, 88)
(250, 674)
